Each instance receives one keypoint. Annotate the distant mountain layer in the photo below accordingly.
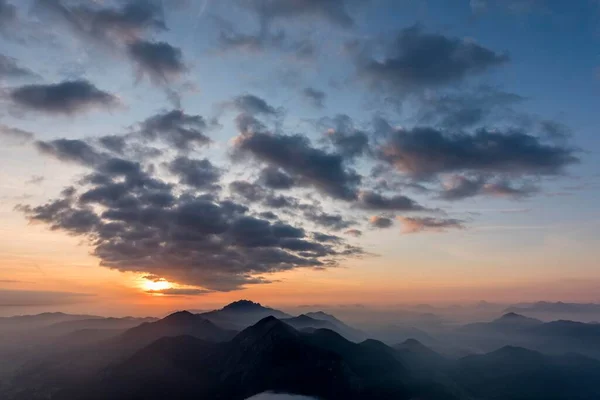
(557, 337)
(557, 307)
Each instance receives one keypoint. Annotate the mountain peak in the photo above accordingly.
(179, 316)
(512, 317)
(266, 327)
(244, 305)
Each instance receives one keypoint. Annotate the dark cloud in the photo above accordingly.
(137, 222)
(114, 143)
(369, 200)
(247, 190)
(31, 298)
(335, 11)
(274, 178)
(314, 96)
(180, 292)
(418, 60)
(253, 105)
(354, 232)
(8, 16)
(429, 224)
(296, 156)
(158, 60)
(380, 222)
(15, 135)
(176, 128)
(425, 152)
(346, 138)
(201, 174)
(68, 97)
(10, 68)
(71, 150)
(335, 222)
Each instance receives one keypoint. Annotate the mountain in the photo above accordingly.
(303, 321)
(43, 319)
(241, 314)
(340, 327)
(268, 356)
(65, 327)
(176, 324)
(509, 322)
(557, 337)
(69, 363)
(520, 374)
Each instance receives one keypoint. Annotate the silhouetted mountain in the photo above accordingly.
(344, 329)
(241, 314)
(304, 321)
(520, 374)
(557, 307)
(177, 324)
(68, 364)
(65, 327)
(185, 356)
(509, 322)
(27, 322)
(270, 355)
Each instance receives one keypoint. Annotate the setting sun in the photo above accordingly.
(156, 285)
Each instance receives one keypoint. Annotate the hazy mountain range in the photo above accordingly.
(245, 350)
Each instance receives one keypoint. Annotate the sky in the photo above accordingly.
(159, 155)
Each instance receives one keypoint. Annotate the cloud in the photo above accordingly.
(67, 97)
(137, 222)
(230, 40)
(460, 187)
(425, 152)
(346, 138)
(316, 215)
(71, 150)
(176, 128)
(10, 68)
(353, 232)
(429, 224)
(200, 174)
(468, 108)
(35, 180)
(108, 25)
(252, 105)
(315, 97)
(295, 155)
(158, 60)
(274, 178)
(418, 60)
(180, 292)
(8, 16)
(334, 11)
(15, 135)
(369, 200)
(380, 222)
(31, 298)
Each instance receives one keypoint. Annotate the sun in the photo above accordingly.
(156, 285)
